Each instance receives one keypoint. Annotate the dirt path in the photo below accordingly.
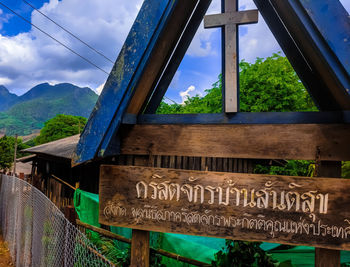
(5, 258)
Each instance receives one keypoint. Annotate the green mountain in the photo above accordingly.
(6, 98)
(28, 112)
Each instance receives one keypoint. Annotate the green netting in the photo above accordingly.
(195, 247)
(199, 248)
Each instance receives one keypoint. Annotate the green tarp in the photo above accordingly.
(195, 247)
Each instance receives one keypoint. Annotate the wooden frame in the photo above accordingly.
(268, 141)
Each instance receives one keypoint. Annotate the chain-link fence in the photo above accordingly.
(37, 232)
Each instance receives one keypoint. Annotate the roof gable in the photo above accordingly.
(162, 33)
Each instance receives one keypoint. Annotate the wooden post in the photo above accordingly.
(69, 213)
(327, 257)
(140, 248)
(15, 157)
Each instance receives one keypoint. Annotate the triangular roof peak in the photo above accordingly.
(314, 35)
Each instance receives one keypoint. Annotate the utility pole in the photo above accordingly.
(15, 156)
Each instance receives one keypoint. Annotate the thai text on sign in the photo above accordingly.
(283, 209)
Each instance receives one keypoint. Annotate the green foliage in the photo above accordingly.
(267, 85)
(210, 103)
(112, 250)
(7, 150)
(346, 169)
(272, 85)
(242, 254)
(292, 168)
(59, 127)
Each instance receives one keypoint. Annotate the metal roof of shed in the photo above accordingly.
(62, 148)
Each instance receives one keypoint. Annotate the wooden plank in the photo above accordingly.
(126, 72)
(241, 17)
(139, 248)
(270, 141)
(282, 209)
(172, 162)
(242, 118)
(203, 164)
(178, 162)
(231, 69)
(177, 56)
(327, 257)
(163, 50)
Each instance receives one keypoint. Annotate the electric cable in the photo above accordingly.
(53, 38)
(76, 37)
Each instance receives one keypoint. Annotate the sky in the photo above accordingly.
(29, 57)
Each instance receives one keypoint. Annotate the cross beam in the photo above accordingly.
(230, 19)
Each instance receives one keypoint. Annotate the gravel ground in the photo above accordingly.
(5, 258)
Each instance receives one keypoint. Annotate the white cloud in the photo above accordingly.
(31, 58)
(185, 94)
(201, 44)
(4, 18)
(4, 80)
(99, 89)
(257, 41)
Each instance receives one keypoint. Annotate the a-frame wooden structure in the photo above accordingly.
(123, 121)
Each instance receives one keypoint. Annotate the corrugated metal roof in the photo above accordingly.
(62, 148)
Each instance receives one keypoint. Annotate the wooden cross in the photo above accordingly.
(230, 19)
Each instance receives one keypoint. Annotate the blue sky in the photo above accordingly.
(27, 57)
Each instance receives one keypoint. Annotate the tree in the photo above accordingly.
(272, 85)
(346, 169)
(7, 150)
(269, 84)
(210, 103)
(59, 127)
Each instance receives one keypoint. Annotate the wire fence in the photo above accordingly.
(37, 232)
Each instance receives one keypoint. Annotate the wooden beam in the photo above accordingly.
(327, 257)
(298, 141)
(139, 248)
(242, 118)
(241, 17)
(177, 56)
(103, 232)
(162, 52)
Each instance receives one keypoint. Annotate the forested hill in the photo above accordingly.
(6, 98)
(25, 113)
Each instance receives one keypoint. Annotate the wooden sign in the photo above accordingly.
(282, 209)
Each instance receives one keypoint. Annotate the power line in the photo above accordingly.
(76, 37)
(53, 38)
(170, 99)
